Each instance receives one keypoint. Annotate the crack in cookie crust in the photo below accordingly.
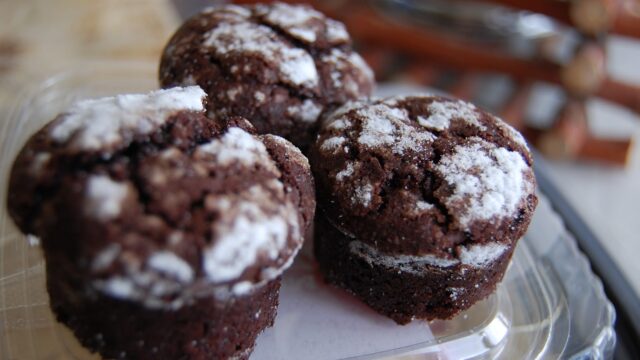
(422, 175)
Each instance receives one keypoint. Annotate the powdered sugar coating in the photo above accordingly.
(295, 65)
(247, 232)
(229, 8)
(295, 155)
(511, 132)
(336, 31)
(293, 19)
(341, 62)
(363, 194)
(346, 172)
(276, 52)
(236, 146)
(307, 112)
(475, 256)
(253, 226)
(442, 113)
(410, 204)
(481, 255)
(105, 257)
(333, 143)
(171, 265)
(406, 263)
(384, 126)
(339, 124)
(488, 181)
(303, 23)
(113, 121)
(104, 197)
(423, 205)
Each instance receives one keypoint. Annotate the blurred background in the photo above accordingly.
(565, 73)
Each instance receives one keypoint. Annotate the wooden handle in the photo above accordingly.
(614, 152)
(627, 95)
(569, 139)
(593, 16)
(627, 21)
(586, 71)
(566, 137)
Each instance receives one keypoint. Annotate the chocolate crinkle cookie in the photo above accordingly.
(164, 232)
(280, 66)
(421, 202)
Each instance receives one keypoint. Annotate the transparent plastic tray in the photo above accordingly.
(549, 305)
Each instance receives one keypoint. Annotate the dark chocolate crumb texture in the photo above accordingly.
(164, 232)
(280, 66)
(421, 194)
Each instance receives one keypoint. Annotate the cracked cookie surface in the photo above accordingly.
(421, 201)
(420, 175)
(142, 190)
(165, 233)
(279, 65)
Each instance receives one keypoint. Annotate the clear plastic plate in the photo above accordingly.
(549, 305)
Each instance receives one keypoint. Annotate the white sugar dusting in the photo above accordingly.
(259, 96)
(332, 144)
(105, 257)
(340, 63)
(118, 287)
(343, 110)
(247, 232)
(95, 124)
(171, 265)
(455, 292)
(487, 181)
(434, 122)
(511, 132)
(239, 10)
(242, 288)
(235, 146)
(336, 31)
(476, 256)
(294, 152)
(307, 112)
(294, 19)
(406, 263)
(383, 126)
(251, 233)
(346, 172)
(295, 65)
(443, 112)
(251, 228)
(104, 197)
(423, 205)
(358, 62)
(377, 126)
(339, 124)
(481, 255)
(363, 195)
(228, 8)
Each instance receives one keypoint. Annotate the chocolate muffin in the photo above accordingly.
(164, 232)
(421, 201)
(280, 66)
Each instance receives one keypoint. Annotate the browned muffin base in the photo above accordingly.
(403, 296)
(206, 329)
